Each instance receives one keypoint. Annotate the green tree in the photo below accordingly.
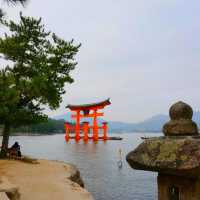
(41, 63)
(13, 2)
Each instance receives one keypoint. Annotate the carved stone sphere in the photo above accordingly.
(180, 110)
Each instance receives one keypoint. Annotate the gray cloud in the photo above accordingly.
(142, 54)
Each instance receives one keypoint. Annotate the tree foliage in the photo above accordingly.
(52, 126)
(13, 2)
(16, 1)
(41, 63)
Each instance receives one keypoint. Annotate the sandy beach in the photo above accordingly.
(47, 180)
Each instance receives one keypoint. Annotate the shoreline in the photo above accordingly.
(52, 134)
(42, 180)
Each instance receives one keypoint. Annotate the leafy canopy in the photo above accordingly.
(41, 63)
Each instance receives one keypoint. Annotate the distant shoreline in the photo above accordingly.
(36, 134)
(49, 134)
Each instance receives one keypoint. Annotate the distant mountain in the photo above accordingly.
(114, 126)
(196, 118)
(120, 127)
(153, 124)
(68, 118)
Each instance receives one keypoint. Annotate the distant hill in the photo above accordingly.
(56, 125)
(61, 117)
(120, 127)
(196, 117)
(67, 117)
(153, 124)
(52, 126)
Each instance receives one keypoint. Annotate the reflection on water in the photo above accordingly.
(98, 165)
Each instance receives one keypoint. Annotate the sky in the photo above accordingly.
(142, 54)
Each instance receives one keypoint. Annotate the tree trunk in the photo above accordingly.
(5, 140)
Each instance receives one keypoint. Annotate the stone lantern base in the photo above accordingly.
(171, 187)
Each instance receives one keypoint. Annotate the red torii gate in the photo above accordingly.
(86, 112)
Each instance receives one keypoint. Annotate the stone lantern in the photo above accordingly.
(175, 156)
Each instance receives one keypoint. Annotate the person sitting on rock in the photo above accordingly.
(15, 150)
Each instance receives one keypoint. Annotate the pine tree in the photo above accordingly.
(41, 63)
(13, 2)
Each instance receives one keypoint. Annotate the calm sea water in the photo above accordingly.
(97, 163)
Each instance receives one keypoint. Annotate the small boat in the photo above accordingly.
(144, 138)
(114, 138)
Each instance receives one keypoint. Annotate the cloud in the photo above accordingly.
(142, 54)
